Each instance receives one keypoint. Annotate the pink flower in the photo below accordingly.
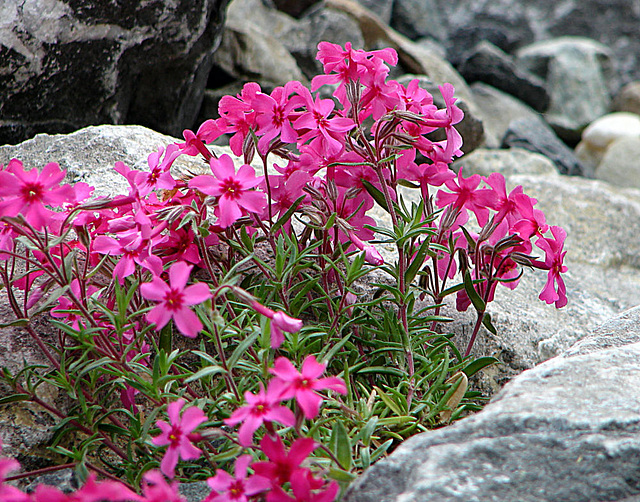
(194, 143)
(306, 488)
(175, 299)
(304, 385)
(239, 488)
(156, 489)
(176, 434)
(27, 192)
(553, 262)
(466, 194)
(282, 464)
(319, 121)
(262, 407)
(158, 175)
(371, 254)
(233, 189)
(279, 322)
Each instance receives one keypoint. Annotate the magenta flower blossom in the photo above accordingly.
(280, 322)
(156, 489)
(371, 254)
(177, 434)
(262, 407)
(465, 194)
(320, 121)
(240, 488)
(27, 192)
(174, 299)
(233, 189)
(304, 385)
(553, 262)
(282, 464)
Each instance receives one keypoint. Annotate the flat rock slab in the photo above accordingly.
(567, 430)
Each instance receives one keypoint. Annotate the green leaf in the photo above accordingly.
(486, 321)
(287, 216)
(473, 295)
(417, 262)
(407, 183)
(14, 398)
(242, 347)
(482, 362)
(341, 445)
(16, 323)
(341, 476)
(207, 371)
(391, 404)
(377, 195)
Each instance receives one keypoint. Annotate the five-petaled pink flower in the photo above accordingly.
(177, 434)
(240, 488)
(175, 299)
(303, 385)
(553, 262)
(27, 192)
(233, 189)
(263, 407)
(282, 463)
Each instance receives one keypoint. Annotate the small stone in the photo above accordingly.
(597, 137)
(628, 99)
(619, 165)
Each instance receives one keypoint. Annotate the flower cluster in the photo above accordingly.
(277, 232)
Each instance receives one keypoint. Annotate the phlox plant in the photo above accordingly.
(240, 324)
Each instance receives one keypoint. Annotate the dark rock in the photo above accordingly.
(487, 63)
(506, 34)
(67, 65)
(381, 8)
(565, 430)
(418, 18)
(64, 480)
(536, 136)
(294, 8)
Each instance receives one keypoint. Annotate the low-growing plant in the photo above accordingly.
(197, 315)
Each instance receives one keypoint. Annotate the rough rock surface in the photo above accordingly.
(601, 133)
(620, 164)
(577, 72)
(533, 134)
(565, 430)
(497, 110)
(628, 99)
(65, 65)
(487, 63)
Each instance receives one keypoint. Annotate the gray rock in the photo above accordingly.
(536, 136)
(485, 161)
(601, 133)
(628, 99)
(565, 430)
(417, 19)
(65, 66)
(620, 164)
(511, 24)
(322, 25)
(497, 110)
(247, 53)
(381, 8)
(487, 63)
(577, 72)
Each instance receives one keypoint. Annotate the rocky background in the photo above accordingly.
(551, 93)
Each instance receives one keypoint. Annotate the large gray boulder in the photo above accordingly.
(565, 430)
(65, 65)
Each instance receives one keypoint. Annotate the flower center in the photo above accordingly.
(32, 192)
(236, 490)
(231, 188)
(173, 300)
